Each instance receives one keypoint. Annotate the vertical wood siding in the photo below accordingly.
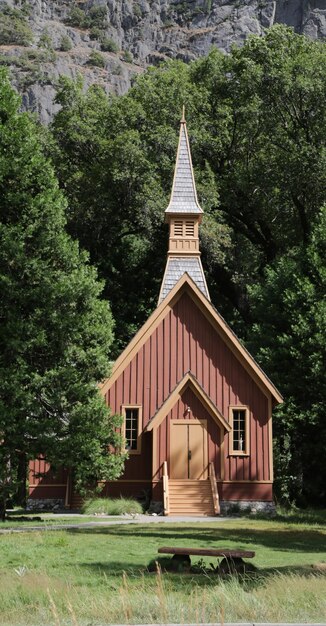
(186, 341)
(44, 482)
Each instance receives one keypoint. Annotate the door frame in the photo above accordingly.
(194, 421)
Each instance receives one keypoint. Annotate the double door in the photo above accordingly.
(188, 449)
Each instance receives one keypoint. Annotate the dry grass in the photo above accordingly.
(155, 599)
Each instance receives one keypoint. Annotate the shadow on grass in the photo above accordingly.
(250, 580)
(308, 516)
(287, 540)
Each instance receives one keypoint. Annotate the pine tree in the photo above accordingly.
(55, 331)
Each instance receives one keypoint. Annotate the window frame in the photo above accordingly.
(232, 451)
(123, 430)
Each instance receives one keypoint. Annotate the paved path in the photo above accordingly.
(104, 520)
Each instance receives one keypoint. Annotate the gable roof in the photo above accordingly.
(184, 194)
(186, 284)
(188, 381)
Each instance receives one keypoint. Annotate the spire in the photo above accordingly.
(184, 195)
(184, 216)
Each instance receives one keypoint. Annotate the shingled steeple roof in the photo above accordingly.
(184, 216)
(184, 195)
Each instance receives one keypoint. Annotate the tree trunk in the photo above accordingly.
(2, 508)
(20, 496)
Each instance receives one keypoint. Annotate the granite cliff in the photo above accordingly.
(108, 42)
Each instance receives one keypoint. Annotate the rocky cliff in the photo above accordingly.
(108, 42)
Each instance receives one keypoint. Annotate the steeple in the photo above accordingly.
(183, 216)
(184, 195)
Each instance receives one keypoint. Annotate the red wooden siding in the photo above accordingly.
(49, 484)
(186, 341)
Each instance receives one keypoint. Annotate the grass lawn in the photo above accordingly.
(98, 575)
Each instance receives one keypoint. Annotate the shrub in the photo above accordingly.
(96, 58)
(14, 28)
(98, 17)
(45, 41)
(96, 33)
(108, 45)
(127, 56)
(111, 506)
(78, 18)
(116, 69)
(137, 10)
(65, 43)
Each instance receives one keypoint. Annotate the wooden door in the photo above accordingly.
(188, 449)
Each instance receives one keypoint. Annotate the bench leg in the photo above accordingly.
(234, 565)
(181, 562)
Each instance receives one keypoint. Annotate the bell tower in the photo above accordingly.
(183, 215)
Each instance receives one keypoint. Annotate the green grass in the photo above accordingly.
(98, 575)
(112, 506)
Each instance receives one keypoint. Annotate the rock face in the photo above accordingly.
(108, 42)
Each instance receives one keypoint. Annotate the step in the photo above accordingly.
(190, 489)
(195, 498)
(188, 481)
(199, 513)
(190, 497)
(190, 508)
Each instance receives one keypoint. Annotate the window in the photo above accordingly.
(131, 428)
(239, 436)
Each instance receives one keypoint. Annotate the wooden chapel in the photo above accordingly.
(197, 408)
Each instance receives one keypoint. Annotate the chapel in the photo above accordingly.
(196, 407)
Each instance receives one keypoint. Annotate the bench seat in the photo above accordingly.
(227, 553)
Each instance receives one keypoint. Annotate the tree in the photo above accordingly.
(257, 126)
(290, 341)
(55, 332)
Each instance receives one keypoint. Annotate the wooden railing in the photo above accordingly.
(212, 478)
(166, 503)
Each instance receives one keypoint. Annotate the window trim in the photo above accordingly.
(246, 451)
(123, 430)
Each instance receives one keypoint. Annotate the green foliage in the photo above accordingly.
(45, 41)
(127, 56)
(14, 28)
(95, 17)
(112, 506)
(137, 11)
(98, 16)
(55, 331)
(108, 45)
(290, 339)
(95, 33)
(78, 18)
(257, 123)
(208, 6)
(96, 59)
(65, 43)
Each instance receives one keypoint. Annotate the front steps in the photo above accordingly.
(190, 497)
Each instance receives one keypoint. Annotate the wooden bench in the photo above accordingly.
(232, 558)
